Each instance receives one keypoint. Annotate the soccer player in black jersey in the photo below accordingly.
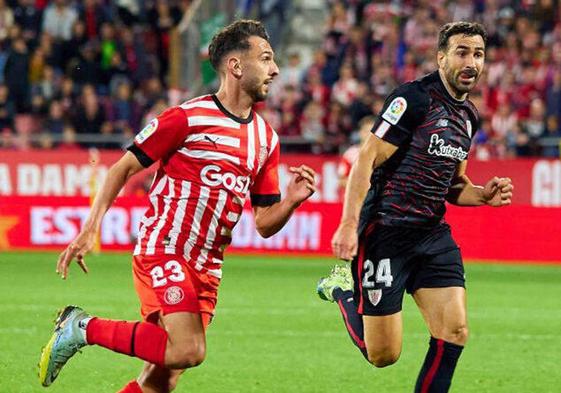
(415, 160)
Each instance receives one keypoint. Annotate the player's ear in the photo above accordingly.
(440, 56)
(233, 63)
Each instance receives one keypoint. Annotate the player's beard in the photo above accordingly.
(453, 79)
(254, 88)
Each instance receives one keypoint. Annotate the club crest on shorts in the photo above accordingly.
(173, 295)
(375, 295)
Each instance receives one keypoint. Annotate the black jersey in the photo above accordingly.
(433, 132)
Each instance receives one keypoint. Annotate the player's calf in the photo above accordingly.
(155, 379)
(439, 366)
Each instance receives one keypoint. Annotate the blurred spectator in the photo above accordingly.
(553, 99)
(293, 73)
(58, 20)
(87, 69)
(344, 89)
(90, 117)
(7, 139)
(28, 17)
(163, 18)
(93, 15)
(6, 20)
(534, 126)
(78, 40)
(7, 109)
(313, 129)
(123, 112)
(16, 74)
(45, 141)
(68, 139)
(337, 128)
(315, 89)
(55, 122)
(361, 105)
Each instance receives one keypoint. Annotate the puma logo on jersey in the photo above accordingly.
(213, 141)
(438, 148)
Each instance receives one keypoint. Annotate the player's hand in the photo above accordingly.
(302, 184)
(498, 191)
(76, 250)
(345, 241)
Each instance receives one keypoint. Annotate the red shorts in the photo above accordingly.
(167, 284)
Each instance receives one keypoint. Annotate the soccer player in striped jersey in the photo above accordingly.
(212, 152)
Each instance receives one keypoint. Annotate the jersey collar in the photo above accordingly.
(230, 114)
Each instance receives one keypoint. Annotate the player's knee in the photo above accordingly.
(186, 356)
(457, 334)
(383, 358)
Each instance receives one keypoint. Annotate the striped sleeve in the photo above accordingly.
(161, 137)
(265, 190)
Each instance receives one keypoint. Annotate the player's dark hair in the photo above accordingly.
(234, 37)
(466, 28)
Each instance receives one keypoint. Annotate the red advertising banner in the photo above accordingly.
(516, 233)
(69, 173)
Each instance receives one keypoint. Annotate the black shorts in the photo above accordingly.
(391, 260)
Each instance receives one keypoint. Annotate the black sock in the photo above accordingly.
(351, 317)
(438, 368)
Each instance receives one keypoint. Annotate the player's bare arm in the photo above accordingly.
(373, 153)
(270, 219)
(116, 178)
(497, 192)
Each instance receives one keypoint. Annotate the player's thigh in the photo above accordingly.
(438, 287)
(184, 328)
(383, 338)
(156, 379)
(444, 311)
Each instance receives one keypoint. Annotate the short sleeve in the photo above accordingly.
(265, 189)
(403, 111)
(161, 137)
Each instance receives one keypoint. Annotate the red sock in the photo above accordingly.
(139, 339)
(132, 387)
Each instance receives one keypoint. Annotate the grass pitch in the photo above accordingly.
(272, 334)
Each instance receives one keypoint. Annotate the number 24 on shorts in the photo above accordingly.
(174, 270)
(383, 273)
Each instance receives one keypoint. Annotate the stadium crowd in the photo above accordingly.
(98, 67)
(369, 48)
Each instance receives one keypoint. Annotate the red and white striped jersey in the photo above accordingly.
(209, 161)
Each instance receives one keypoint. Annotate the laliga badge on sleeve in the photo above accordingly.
(395, 110)
(146, 131)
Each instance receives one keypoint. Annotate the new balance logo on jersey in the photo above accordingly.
(212, 176)
(438, 148)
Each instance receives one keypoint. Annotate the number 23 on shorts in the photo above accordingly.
(171, 271)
